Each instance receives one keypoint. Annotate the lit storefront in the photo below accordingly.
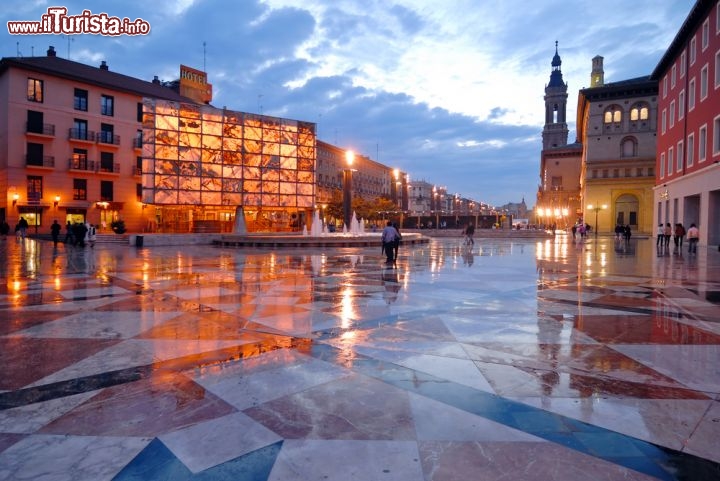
(201, 163)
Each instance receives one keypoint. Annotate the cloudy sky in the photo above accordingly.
(450, 91)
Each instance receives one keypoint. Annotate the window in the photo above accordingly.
(34, 154)
(107, 162)
(672, 114)
(717, 18)
(683, 60)
(702, 144)
(138, 165)
(107, 134)
(673, 76)
(717, 69)
(638, 172)
(107, 105)
(80, 130)
(664, 121)
(628, 172)
(691, 94)
(639, 111)
(34, 187)
(704, 82)
(705, 34)
(690, 150)
(79, 189)
(681, 105)
(35, 122)
(692, 51)
(670, 159)
(662, 165)
(680, 155)
(629, 147)
(34, 90)
(79, 159)
(665, 86)
(106, 191)
(716, 136)
(81, 100)
(139, 112)
(616, 173)
(613, 114)
(138, 192)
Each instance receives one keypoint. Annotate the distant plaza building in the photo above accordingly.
(616, 124)
(558, 198)
(687, 181)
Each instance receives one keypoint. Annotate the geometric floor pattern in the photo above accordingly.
(510, 359)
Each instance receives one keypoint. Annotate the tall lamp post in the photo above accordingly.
(347, 188)
(596, 208)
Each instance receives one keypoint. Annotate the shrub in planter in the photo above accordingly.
(118, 226)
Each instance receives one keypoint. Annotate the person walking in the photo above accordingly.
(679, 235)
(627, 233)
(55, 232)
(693, 233)
(92, 235)
(388, 236)
(667, 233)
(660, 236)
(396, 244)
(23, 227)
(469, 233)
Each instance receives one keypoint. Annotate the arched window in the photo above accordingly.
(613, 114)
(629, 147)
(639, 111)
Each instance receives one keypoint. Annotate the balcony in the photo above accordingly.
(82, 135)
(47, 130)
(107, 168)
(83, 165)
(137, 143)
(45, 161)
(108, 138)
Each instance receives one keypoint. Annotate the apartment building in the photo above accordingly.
(71, 142)
(687, 184)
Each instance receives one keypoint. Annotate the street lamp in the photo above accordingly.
(596, 208)
(347, 188)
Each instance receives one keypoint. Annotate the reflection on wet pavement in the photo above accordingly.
(522, 359)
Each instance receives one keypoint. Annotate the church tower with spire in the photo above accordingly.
(555, 132)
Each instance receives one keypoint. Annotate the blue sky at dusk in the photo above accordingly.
(450, 92)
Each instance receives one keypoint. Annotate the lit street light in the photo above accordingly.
(596, 208)
(347, 188)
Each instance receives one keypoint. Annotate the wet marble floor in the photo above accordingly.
(513, 359)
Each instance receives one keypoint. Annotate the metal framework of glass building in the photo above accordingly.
(213, 159)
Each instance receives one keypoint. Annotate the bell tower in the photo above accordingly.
(555, 132)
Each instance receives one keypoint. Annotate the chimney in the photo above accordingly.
(103, 65)
(51, 52)
(156, 80)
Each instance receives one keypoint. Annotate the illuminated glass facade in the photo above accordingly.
(204, 156)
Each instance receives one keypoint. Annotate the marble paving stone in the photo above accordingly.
(219, 440)
(445, 461)
(349, 408)
(31, 417)
(703, 441)
(25, 360)
(144, 408)
(669, 422)
(349, 460)
(74, 458)
(94, 325)
(245, 389)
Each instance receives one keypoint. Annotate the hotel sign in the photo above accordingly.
(194, 85)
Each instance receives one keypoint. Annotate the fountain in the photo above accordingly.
(316, 229)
